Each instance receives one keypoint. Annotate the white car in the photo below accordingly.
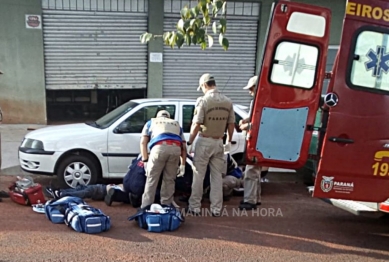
(79, 154)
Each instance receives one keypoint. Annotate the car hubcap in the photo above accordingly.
(77, 173)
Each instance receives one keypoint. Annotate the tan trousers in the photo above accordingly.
(229, 183)
(163, 158)
(208, 151)
(252, 184)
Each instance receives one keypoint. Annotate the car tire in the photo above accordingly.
(77, 170)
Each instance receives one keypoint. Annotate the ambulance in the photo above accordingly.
(352, 170)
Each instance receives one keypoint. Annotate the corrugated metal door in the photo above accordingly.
(95, 44)
(232, 69)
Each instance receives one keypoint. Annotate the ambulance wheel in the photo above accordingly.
(77, 170)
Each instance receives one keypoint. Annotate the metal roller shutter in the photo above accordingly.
(232, 69)
(94, 44)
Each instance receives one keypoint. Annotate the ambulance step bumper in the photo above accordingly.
(354, 207)
(357, 208)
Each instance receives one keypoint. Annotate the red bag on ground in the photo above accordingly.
(26, 193)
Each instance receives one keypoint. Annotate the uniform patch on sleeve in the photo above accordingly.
(199, 101)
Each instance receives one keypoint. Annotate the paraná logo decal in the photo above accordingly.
(327, 183)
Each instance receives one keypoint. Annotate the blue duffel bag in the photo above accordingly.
(158, 222)
(86, 219)
(55, 208)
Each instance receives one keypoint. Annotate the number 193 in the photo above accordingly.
(380, 168)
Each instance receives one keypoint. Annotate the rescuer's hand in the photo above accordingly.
(181, 171)
(244, 126)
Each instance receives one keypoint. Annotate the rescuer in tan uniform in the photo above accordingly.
(213, 114)
(252, 176)
(166, 142)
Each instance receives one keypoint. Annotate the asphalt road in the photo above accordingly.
(289, 226)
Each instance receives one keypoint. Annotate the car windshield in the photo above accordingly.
(114, 115)
(243, 108)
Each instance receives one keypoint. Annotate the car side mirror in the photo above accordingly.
(122, 128)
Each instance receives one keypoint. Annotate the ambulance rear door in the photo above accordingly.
(289, 85)
(354, 161)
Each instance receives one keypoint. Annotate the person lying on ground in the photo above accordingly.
(109, 193)
(130, 192)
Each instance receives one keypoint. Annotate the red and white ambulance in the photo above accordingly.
(353, 166)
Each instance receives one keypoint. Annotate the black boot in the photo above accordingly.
(136, 201)
(116, 195)
(121, 197)
(108, 199)
(247, 206)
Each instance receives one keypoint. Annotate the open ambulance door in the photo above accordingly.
(289, 85)
(354, 162)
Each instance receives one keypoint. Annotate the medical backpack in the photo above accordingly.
(158, 222)
(86, 219)
(25, 192)
(55, 209)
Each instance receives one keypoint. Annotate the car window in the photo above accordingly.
(137, 120)
(237, 119)
(114, 115)
(187, 116)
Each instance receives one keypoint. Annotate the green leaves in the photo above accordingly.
(145, 37)
(210, 41)
(195, 11)
(192, 28)
(185, 13)
(224, 42)
(214, 27)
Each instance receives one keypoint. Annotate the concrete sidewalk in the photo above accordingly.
(11, 137)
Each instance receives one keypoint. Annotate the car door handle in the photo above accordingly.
(341, 140)
(233, 142)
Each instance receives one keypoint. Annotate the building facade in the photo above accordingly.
(69, 60)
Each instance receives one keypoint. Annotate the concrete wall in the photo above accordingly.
(22, 87)
(155, 70)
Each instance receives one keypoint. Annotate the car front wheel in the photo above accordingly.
(77, 170)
